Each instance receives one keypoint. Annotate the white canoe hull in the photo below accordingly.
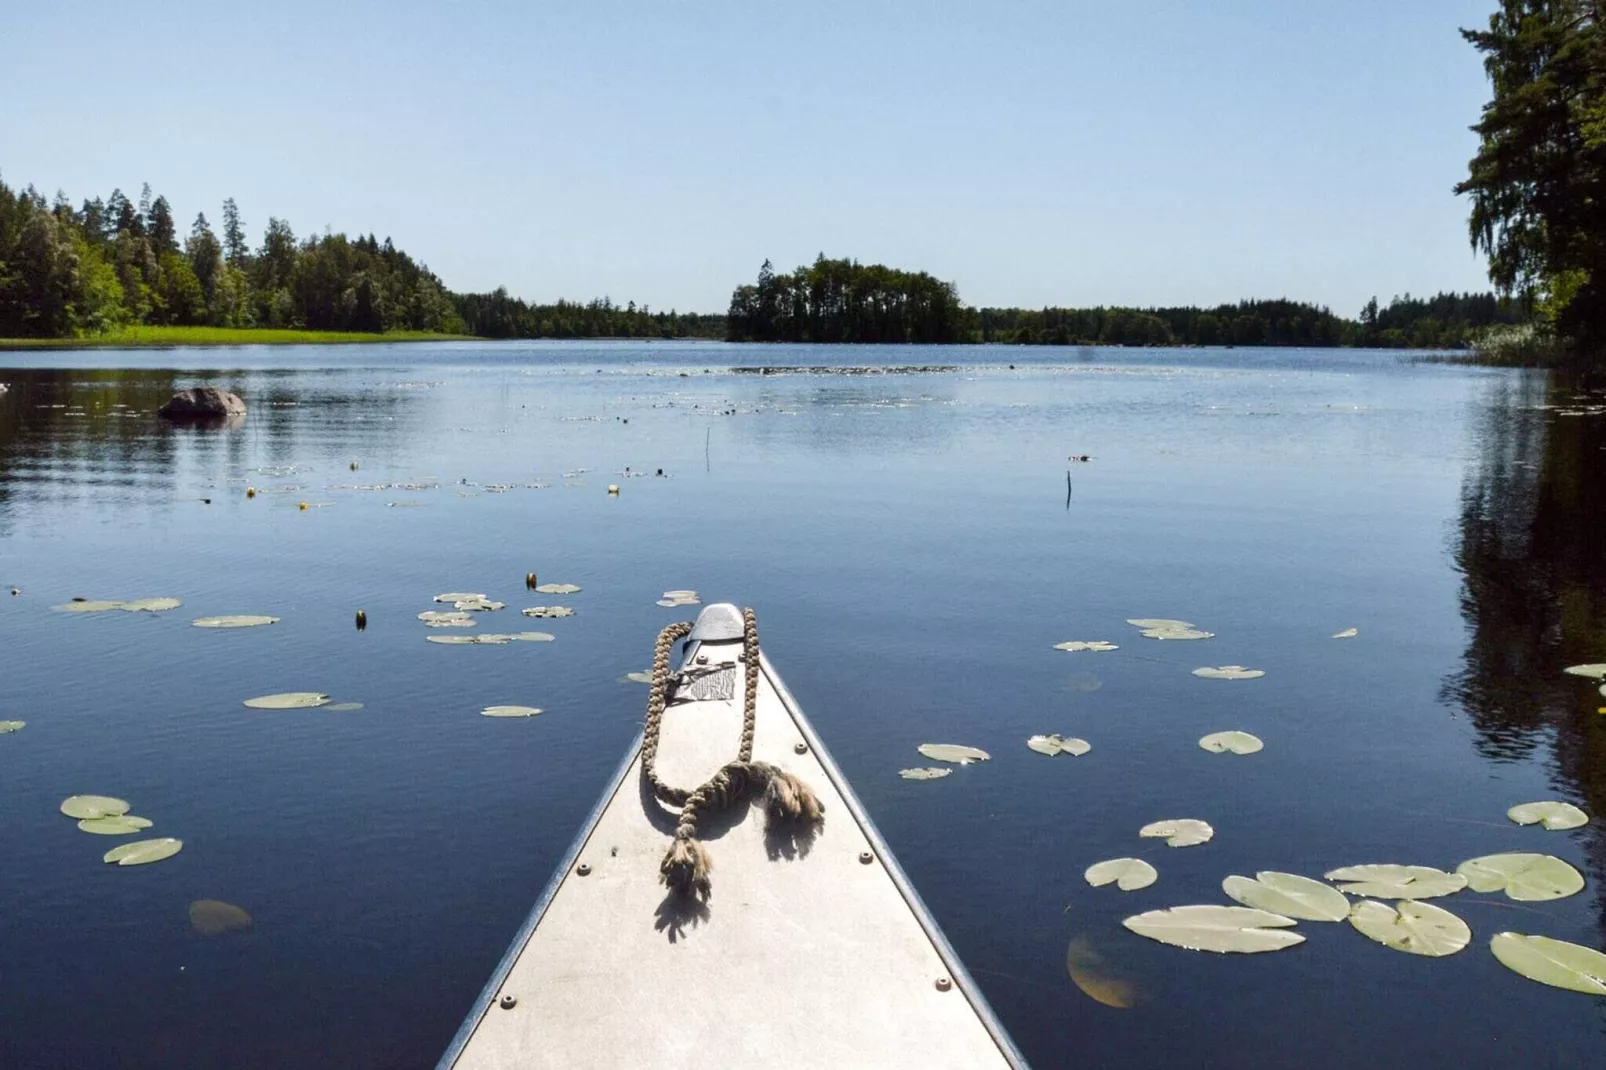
(805, 953)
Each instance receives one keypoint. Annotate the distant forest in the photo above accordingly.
(112, 263)
(845, 301)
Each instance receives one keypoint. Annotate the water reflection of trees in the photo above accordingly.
(1533, 511)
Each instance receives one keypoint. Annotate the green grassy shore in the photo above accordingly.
(169, 337)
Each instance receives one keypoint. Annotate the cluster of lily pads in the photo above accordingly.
(467, 605)
(672, 599)
(107, 816)
(1272, 903)
(1596, 672)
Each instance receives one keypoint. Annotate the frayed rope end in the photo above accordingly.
(786, 798)
(686, 867)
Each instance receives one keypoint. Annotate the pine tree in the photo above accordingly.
(234, 247)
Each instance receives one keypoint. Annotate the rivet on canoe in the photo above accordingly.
(507, 1003)
(800, 748)
(943, 984)
(583, 869)
(866, 857)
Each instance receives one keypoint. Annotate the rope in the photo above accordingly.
(687, 864)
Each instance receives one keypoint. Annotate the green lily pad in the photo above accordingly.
(239, 621)
(141, 852)
(114, 826)
(478, 605)
(1169, 633)
(453, 640)
(558, 588)
(1530, 878)
(638, 677)
(510, 711)
(1127, 874)
(11, 726)
(87, 807)
(1552, 962)
(1389, 881)
(924, 774)
(953, 752)
(1229, 672)
(1052, 745)
(1290, 894)
(671, 599)
(213, 917)
(289, 700)
(1555, 816)
(446, 616)
(1347, 633)
(533, 637)
(461, 596)
(1179, 832)
(151, 605)
(1594, 672)
(343, 707)
(1231, 743)
(548, 611)
(87, 606)
(1412, 927)
(1100, 645)
(1160, 623)
(1226, 930)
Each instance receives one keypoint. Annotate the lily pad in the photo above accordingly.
(1555, 816)
(953, 752)
(151, 605)
(1052, 745)
(1290, 894)
(1127, 874)
(548, 611)
(532, 637)
(1389, 881)
(1097, 644)
(461, 596)
(558, 588)
(510, 711)
(1412, 927)
(924, 774)
(87, 606)
(142, 852)
(437, 616)
(638, 677)
(1231, 743)
(343, 707)
(1594, 672)
(453, 640)
(671, 599)
(213, 917)
(1179, 832)
(114, 826)
(246, 620)
(1176, 633)
(1160, 623)
(1240, 930)
(1552, 962)
(1532, 878)
(1347, 633)
(11, 726)
(289, 700)
(88, 807)
(478, 605)
(1229, 672)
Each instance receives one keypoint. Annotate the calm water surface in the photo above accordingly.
(908, 544)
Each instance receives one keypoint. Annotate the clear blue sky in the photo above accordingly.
(1035, 152)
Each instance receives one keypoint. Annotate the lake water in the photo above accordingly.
(908, 544)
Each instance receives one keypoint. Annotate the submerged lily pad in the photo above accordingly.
(924, 774)
(1552, 962)
(88, 807)
(1555, 816)
(558, 588)
(144, 851)
(246, 620)
(1530, 878)
(1594, 672)
(1127, 874)
(1412, 927)
(1290, 894)
(1231, 743)
(953, 752)
(638, 677)
(1389, 881)
(1235, 930)
(11, 726)
(1091, 973)
(87, 606)
(548, 611)
(510, 711)
(213, 917)
(1229, 672)
(343, 707)
(1347, 633)
(151, 605)
(1179, 832)
(289, 700)
(1096, 644)
(114, 825)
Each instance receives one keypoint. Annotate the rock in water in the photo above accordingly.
(203, 403)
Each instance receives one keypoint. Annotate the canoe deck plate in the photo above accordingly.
(813, 952)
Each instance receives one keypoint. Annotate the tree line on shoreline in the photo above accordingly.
(111, 264)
